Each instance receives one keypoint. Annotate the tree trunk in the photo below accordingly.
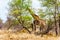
(22, 23)
(27, 29)
(55, 18)
(57, 7)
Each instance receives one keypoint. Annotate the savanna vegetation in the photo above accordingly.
(22, 18)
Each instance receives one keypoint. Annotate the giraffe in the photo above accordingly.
(37, 21)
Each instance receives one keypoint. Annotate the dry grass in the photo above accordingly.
(8, 35)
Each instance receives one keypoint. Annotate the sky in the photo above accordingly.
(35, 4)
(4, 8)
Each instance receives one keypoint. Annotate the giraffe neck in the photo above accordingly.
(33, 15)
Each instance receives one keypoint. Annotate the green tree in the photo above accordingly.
(18, 12)
(52, 7)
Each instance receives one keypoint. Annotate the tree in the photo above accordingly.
(53, 6)
(1, 24)
(18, 12)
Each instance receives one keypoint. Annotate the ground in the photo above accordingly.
(8, 35)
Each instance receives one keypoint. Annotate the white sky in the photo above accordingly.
(35, 4)
(4, 6)
(3, 9)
